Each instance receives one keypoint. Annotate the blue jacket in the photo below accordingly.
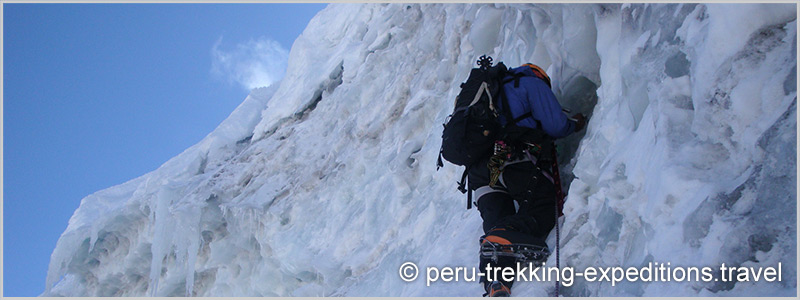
(533, 95)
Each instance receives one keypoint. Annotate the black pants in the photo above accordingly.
(535, 195)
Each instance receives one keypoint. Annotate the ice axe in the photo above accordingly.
(567, 112)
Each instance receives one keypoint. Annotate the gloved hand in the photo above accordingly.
(580, 121)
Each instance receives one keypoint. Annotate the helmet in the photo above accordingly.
(539, 72)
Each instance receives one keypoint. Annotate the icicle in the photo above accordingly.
(162, 235)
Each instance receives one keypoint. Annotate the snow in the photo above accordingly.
(324, 183)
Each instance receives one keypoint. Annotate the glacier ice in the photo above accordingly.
(324, 183)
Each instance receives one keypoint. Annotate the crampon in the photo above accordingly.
(522, 253)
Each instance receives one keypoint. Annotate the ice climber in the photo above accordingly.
(520, 171)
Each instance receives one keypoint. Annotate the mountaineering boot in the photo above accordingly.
(497, 289)
(494, 251)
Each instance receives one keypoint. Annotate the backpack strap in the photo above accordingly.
(525, 116)
(439, 162)
(462, 187)
(516, 78)
(507, 112)
(514, 133)
(506, 108)
(537, 71)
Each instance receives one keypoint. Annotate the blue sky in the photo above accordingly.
(98, 94)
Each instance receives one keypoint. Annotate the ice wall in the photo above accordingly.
(690, 156)
(324, 183)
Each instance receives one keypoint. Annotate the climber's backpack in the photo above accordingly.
(472, 129)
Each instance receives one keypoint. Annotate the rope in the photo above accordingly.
(559, 212)
(558, 245)
(559, 202)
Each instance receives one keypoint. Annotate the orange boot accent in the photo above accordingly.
(498, 289)
(496, 239)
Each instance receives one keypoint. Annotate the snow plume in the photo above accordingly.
(689, 158)
(255, 63)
